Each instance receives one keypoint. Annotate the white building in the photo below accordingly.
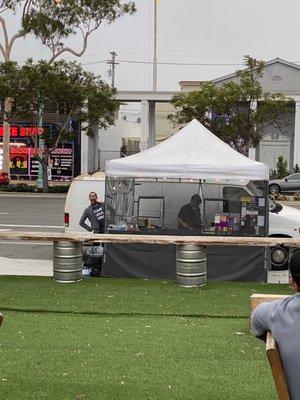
(150, 124)
(279, 76)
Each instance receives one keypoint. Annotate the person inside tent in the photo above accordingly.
(189, 216)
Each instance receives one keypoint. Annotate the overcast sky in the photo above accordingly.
(191, 32)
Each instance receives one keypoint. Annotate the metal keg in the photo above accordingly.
(67, 261)
(191, 265)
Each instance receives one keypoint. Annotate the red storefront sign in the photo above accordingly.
(22, 157)
(23, 131)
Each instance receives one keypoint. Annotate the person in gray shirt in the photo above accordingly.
(282, 318)
(95, 214)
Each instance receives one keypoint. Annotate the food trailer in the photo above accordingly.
(145, 194)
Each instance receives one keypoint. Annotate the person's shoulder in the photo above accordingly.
(185, 206)
(290, 301)
(87, 208)
(266, 307)
(274, 306)
(85, 212)
(182, 208)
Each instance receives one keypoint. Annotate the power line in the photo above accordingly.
(172, 63)
(177, 63)
(167, 63)
(188, 55)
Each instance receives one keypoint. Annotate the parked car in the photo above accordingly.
(4, 179)
(289, 184)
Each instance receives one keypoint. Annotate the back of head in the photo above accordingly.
(295, 266)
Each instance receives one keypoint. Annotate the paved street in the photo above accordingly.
(29, 213)
(38, 214)
(32, 213)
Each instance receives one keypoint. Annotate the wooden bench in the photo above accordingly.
(271, 348)
(276, 368)
(257, 298)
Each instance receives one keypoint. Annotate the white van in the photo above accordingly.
(78, 198)
(284, 221)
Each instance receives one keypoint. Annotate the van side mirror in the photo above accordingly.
(286, 179)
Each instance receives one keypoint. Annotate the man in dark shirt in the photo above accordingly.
(95, 214)
(189, 216)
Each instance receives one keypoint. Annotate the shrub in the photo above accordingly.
(282, 197)
(281, 168)
(25, 188)
(297, 196)
(59, 189)
(19, 187)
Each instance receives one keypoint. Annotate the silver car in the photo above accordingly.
(289, 184)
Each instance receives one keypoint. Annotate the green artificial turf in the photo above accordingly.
(112, 339)
(130, 296)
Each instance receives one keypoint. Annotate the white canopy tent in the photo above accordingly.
(193, 152)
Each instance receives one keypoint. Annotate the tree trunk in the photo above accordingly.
(45, 170)
(6, 135)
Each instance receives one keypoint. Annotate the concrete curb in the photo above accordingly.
(289, 202)
(34, 195)
(28, 267)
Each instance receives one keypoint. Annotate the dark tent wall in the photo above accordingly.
(224, 263)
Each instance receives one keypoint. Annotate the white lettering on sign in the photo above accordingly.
(61, 151)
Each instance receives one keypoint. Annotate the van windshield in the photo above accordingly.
(255, 188)
(274, 207)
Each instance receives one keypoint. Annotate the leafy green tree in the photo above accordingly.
(281, 168)
(74, 94)
(53, 23)
(229, 110)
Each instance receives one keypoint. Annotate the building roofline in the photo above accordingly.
(189, 82)
(137, 95)
(270, 62)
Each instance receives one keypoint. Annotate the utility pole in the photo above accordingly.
(155, 48)
(113, 64)
(6, 135)
(40, 142)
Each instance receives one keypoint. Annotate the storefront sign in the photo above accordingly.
(23, 131)
(23, 164)
(61, 163)
(18, 157)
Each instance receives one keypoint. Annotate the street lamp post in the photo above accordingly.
(40, 178)
(6, 136)
(155, 48)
